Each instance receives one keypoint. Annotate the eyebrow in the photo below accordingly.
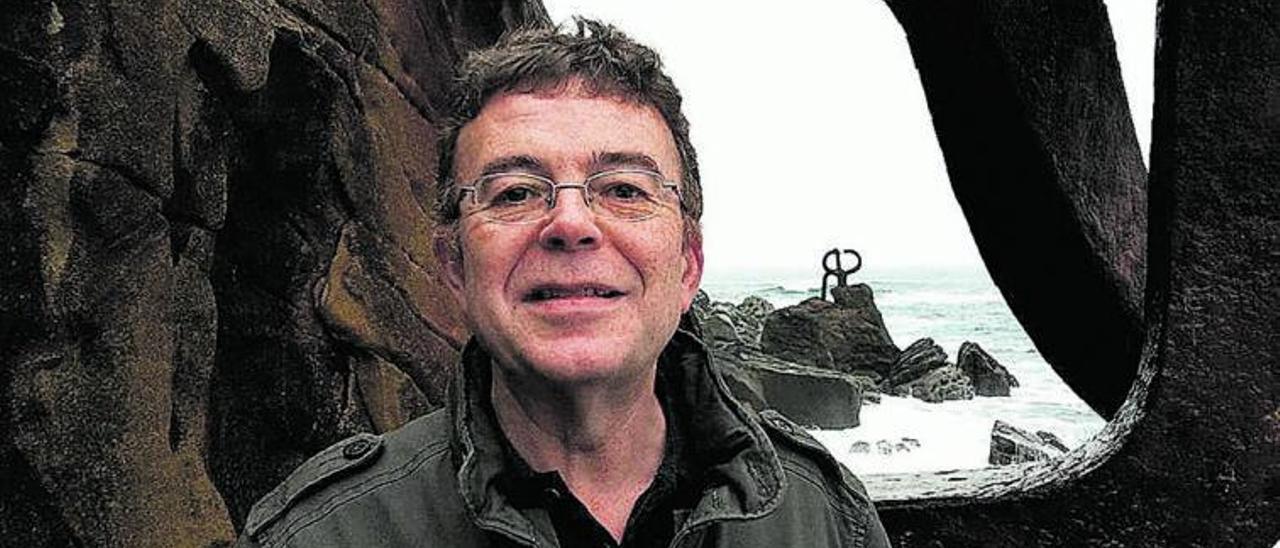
(523, 162)
(602, 160)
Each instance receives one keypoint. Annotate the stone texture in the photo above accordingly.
(753, 310)
(1059, 213)
(988, 376)
(819, 333)
(720, 325)
(915, 361)
(938, 385)
(216, 258)
(1012, 445)
(1191, 457)
(812, 397)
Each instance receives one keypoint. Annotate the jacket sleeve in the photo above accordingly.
(876, 536)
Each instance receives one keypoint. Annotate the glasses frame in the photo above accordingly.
(555, 191)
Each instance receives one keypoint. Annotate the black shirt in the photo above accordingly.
(658, 512)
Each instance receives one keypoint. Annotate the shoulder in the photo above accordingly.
(353, 468)
(813, 473)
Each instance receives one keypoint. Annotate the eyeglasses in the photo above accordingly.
(624, 194)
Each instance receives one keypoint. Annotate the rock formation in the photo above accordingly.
(942, 384)
(1012, 445)
(216, 259)
(812, 397)
(845, 336)
(988, 376)
(918, 359)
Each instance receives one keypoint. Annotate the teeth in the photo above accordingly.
(550, 293)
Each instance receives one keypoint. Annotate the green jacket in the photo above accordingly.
(430, 483)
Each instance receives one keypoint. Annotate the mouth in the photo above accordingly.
(553, 292)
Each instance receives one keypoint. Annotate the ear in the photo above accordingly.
(691, 279)
(447, 247)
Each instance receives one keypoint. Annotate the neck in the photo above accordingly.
(605, 441)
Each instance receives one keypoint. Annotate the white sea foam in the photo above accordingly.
(911, 435)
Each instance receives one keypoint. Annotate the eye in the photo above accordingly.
(512, 191)
(620, 190)
(514, 195)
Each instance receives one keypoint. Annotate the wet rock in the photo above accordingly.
(701, 301)
(1012, 445)
(884, 447)
(942, 384)
(846, 336)
(988, 376)
(752, 312)
(869, 383)
(812, 397)
(720, 325)
(724, 324)
(915, 361)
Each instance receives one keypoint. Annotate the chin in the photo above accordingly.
(582, 361)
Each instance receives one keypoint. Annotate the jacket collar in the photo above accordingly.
(733, 457)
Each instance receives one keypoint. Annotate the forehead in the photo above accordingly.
(563, 130)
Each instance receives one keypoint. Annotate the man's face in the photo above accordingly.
(619, 286)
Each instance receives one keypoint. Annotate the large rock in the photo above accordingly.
(915, 361)
(216, 256)
(988, 376)
(1012, 445)
(752, 312)
(812, 397)
(845, 337)
(942, 384)
(720, 325)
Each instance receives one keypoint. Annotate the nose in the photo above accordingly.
(572, 225)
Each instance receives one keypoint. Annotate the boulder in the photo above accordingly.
(869, 383)
(724, 324)
(1012, 445)
(812, 397)
(701, 301)
(845, 336)
(218, 257)
(915, 361)
(942, 384)
(988, 376)
(751, 313)
(719, 325)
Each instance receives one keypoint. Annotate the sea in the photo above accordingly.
(951, 305)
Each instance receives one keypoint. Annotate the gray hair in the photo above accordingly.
(545, 58)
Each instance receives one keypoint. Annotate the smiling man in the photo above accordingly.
(581, 415)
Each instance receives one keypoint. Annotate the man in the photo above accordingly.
(582, 416)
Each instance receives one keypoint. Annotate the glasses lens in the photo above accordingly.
(513, 197)
(629, 195)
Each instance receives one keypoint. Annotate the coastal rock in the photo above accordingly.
(701, 301)
(942, 384)
(724, 324)
(988, 376)
(812, 397)
(217, 257)
(719, 325)
(751, 313)
(869, 383)
(1012, 445)
(915, 361)
(846, 337)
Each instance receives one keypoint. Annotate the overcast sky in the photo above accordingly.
(812, 130)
